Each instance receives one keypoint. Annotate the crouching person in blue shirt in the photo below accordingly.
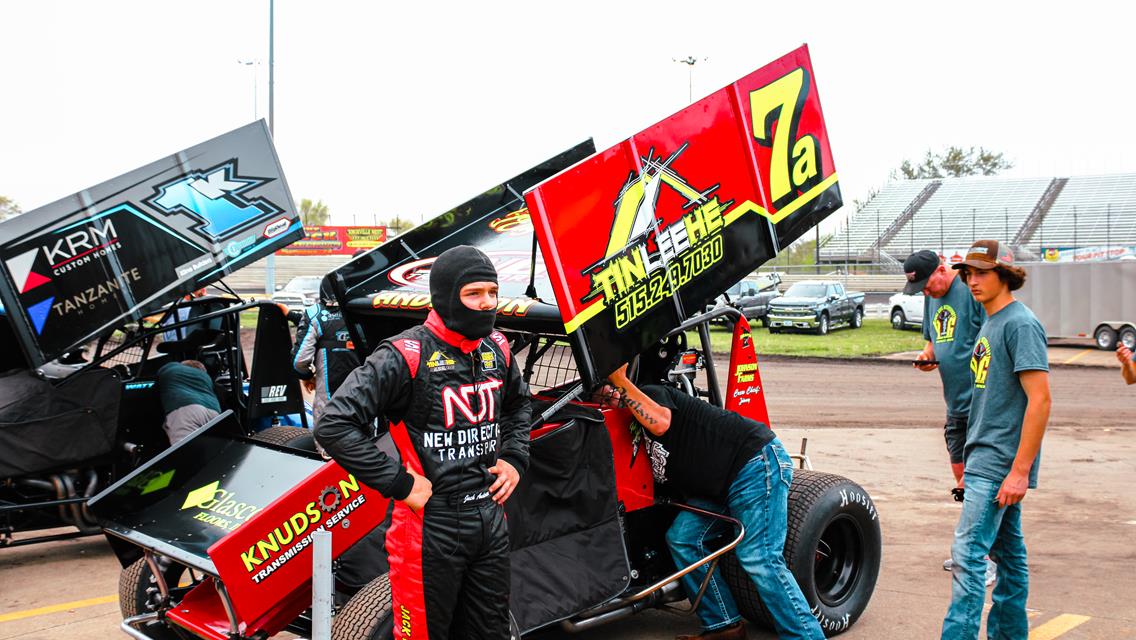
(1008, 414)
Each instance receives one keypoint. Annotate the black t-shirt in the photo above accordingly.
(705, 446)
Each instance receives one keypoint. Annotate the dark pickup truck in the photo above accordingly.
(816, 305)
(752, 296)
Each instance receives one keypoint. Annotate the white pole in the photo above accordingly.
(321, 585)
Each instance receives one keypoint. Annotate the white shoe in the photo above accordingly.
(991, 572)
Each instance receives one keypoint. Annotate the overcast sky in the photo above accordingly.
(409, 108)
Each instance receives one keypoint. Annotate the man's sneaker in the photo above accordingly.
(948, 564)
(991, 572)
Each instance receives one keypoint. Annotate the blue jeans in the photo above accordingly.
(983, 529)
(759, 498)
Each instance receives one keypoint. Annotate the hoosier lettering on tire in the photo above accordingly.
(833, 548)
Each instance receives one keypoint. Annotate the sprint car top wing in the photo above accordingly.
(642, 235)
(122, 249)
(392, 280)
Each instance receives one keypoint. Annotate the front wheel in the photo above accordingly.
(857, 318)
(138, 590)
(832, 547)
(898, 319)
(822, 328)
(368, 615)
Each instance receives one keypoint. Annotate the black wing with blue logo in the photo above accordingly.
(120, 250)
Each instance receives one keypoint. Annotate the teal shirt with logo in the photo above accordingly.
(1011, 341)
(951, 325)
(181, 385)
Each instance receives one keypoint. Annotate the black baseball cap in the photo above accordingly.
(918, 267)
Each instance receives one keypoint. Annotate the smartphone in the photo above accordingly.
(919, 362)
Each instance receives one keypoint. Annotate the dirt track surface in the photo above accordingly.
(879, 424)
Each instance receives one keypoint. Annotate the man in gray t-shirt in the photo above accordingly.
(1008, 414)
(951, 319)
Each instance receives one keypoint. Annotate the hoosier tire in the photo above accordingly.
(138, 591)
(294, 437)
(367, 615)
(833, 549)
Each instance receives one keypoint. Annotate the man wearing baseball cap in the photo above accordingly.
(1009, 410)
(951, 319)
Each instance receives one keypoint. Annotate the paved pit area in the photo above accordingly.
(877, 423)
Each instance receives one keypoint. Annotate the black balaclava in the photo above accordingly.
(327, 293)
(454, 269)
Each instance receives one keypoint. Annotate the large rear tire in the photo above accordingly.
(368, 616)
(833, 548)
(294, 437)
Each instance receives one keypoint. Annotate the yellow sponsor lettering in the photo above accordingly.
(313, 512)
(264, 546)
(350, 483)
(251, 559)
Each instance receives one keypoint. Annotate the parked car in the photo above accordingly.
(300, 292)
(751, 296)
(816, 305)
(906, 312)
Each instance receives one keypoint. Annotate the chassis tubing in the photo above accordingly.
(656, 592)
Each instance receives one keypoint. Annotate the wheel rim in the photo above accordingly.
(837, 566)
(1103, 339)
(1128, 339)
(824, 324)
(896, 320)
(857, 319)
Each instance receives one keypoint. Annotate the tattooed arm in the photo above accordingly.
(655, 418)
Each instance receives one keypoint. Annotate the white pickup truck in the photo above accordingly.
(906, 311)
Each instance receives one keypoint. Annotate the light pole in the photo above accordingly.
(253, 64)
(689, 61)
(270, 264)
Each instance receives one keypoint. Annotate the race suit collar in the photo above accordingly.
(437, 327)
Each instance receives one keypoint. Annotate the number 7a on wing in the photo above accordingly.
(683, 209)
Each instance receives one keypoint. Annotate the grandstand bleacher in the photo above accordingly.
(1090, 210)
(1032, 213)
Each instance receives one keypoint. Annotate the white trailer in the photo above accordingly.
(1084, 300)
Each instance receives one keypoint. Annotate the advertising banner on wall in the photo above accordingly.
(326, 241)
(1088, 254)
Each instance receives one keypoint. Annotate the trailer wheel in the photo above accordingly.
(367, 615)
(1128, 336)
(294, 437)
(138, 591)
(1105, 337)
(833, 548)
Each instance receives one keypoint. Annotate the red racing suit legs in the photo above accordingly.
(449, 571)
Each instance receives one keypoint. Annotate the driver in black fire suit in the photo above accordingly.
(459, 414)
